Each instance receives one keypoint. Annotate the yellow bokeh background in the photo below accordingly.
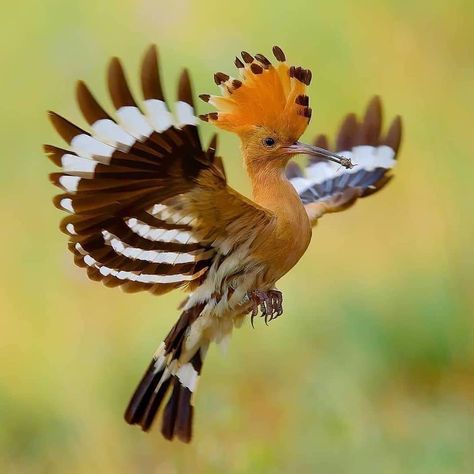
(370, 370)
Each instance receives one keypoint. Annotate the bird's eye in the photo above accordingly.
(269, 142)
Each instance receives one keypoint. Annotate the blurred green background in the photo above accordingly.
(371, 369)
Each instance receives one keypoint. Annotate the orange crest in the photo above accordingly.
(267, 95)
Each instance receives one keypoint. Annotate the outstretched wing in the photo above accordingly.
(149, 209)
(325, 186)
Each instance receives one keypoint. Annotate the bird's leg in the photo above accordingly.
(268, 302)
(258, 299)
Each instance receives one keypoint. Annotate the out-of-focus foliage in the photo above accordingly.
(371, 368)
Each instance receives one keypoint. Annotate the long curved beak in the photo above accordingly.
(303, 149)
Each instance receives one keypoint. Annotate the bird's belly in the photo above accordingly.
(283, 250)
(247, 268)
(228, 282)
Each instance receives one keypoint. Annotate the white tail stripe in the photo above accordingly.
(110, 133)
(159, 363)
(132, 120)
(161, 350)
(188, 376)
(185, 114)
(158, 115)
(164, 377)
(160, 358)
(89, 147)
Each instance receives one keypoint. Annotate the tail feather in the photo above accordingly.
(165, 373)
(178, 414)
(154, 402)
(184, 415)
(137, 405)
(171, 412)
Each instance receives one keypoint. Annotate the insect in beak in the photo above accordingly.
(299, 148)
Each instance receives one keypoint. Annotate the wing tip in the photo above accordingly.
(394, 134)
(185, 93)
(150, 75)
(65, 129)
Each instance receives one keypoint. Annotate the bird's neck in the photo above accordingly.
(291, 235)
(272, 190)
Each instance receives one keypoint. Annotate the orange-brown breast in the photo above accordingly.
(287, 242)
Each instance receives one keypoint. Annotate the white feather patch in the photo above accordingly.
(158, 114)
(185, 114)
(169, 215)
(300, 184)
(157, 208)
(73, 163)
(324, 170)
(159, 357)
(89, 147)
(80, 249)
(152, 256)
(110, 133)
(161, 349)
(70, 228)
(364, 157)
(66, 203)
(140, 278)
(144, 278)
(164, 377)
(69, 183)
(159, 363)
(156, 234)
(88, 260)
(132, 120)
(188, 376)
(385, 157)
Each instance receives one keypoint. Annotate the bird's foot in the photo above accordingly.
(270, 304)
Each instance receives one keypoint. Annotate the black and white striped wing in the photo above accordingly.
(124, 180)
(325, 186)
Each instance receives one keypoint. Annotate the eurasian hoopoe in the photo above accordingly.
(150, 209)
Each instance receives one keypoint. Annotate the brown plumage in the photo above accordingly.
(150, 208)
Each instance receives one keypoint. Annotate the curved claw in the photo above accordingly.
(252, 316)
(269, 303)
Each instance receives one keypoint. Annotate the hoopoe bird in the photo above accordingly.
(150, 208)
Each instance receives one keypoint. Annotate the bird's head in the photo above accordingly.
(267, 107)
